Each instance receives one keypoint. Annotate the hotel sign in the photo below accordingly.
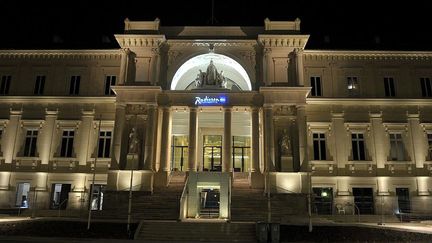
(211, 100)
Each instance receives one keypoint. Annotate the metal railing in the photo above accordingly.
(183, 201)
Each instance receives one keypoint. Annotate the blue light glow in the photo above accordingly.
(208, 100)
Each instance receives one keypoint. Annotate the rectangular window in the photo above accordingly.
(403, 200)
(60, 196)
(22, 198)
(30, 143)
(74, 85)
(67, 143)
(429, 138)
(109, 81)
(358, 146)
(319, 146)
(396, 147)
(316, 86)
(97, 197)
(389, 87)
(39, 85)
(104, 144)
(5, 84)
(426, 87)
(353, 86)
(323, 200)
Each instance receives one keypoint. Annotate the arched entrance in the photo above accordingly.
(236, 75)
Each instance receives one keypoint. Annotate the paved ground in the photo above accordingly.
(20, 229)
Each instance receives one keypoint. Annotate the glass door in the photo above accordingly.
(241, 153)
(180, 150)
(212, 153)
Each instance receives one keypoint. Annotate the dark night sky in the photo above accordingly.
(378, 24)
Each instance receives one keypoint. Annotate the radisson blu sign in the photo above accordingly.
(211, 100)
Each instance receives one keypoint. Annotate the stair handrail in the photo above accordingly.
(183, 200)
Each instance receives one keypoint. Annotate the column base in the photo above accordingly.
(161, 179)
(257, 180)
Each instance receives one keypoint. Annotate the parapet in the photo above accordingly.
(282, 25)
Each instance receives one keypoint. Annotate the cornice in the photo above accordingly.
(216, 43)
(294, 41)
(57, 100)
(366, 55)
(367, 101)
(127, 41)
(62, 54)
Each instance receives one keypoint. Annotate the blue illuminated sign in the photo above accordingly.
(219, 100)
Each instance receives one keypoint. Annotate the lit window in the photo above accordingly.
(319, 146)
(352, 85)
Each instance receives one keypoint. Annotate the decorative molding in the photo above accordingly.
(335, 55)
(56, 100)
(127, 41)
(215, 43)
(294, 41)
(62, 54)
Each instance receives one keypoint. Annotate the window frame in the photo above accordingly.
(316, 90)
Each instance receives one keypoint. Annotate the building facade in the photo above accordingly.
(218, 106)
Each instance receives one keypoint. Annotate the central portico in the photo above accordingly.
(213, 108)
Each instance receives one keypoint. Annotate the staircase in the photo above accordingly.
(172, 231)
(163, 204)
(247, 204)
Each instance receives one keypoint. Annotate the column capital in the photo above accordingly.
(16, 112)
(227, 108)
(375, 115)
(51, 112)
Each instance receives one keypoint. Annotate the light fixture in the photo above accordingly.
(324, 194)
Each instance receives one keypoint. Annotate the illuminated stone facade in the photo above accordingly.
(359, 121)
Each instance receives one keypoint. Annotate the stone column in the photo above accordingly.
(227, 142)
(299, 66)
(84, 136)
(120, 118)
(165, 159)
(269, 149)
(150, 134)
(302, 133)
(124, 66)
(255, 139)
(267, 66)
(340, 140)
(193, 132)
(378, 139)
(45, 150)
(10, 136)
(419, 152)
(257, 179)
(155, 66)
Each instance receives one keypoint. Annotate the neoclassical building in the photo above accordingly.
(208, 121)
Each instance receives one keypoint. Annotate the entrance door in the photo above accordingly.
(363, 199)
(212, 153)
(209, 206)
(22, 195)
(403, 200)
(180, 151)
(241, 153)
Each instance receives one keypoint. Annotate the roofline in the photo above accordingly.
(360, 52)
